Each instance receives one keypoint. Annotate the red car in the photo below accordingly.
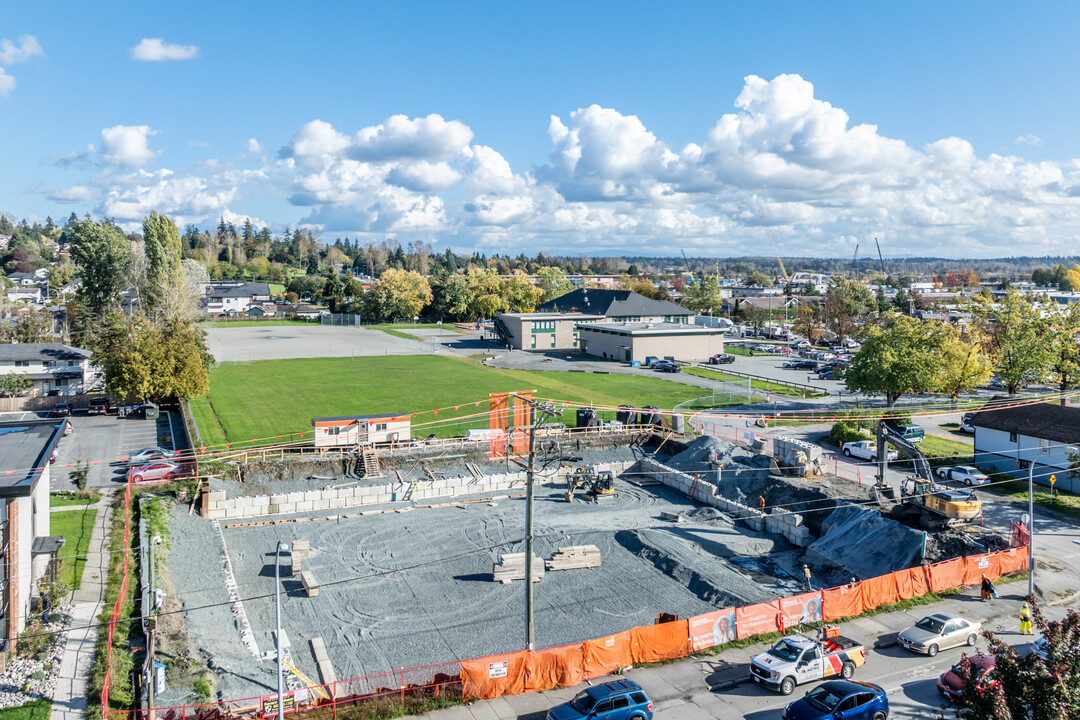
(951, 682)
(153, 474)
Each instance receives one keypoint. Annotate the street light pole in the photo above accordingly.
(1031, 522)
(277, 603)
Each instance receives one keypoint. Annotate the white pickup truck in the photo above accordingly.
(798, 659)
(866, 450)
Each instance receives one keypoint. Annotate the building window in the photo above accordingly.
(379, 427)
(1012, 437)
(333, 430)
(1024, 464)
(22, 363)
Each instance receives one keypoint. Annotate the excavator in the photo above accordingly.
(936, 507)
(598, 485)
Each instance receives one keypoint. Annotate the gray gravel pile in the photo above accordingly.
(400, 590)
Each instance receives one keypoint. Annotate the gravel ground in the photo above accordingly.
(425, 593)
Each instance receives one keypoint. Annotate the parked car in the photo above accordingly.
(967, 428)
(798, 659)
(939, 631)
(800, 345)
(829, 372)
(722, 359)
(794, 364)
(964, 474)
(154, 473)
(618, 700)
(146, 456)
(866, 450)
(911, 433)
(840, 699)
(98, 406)
(60, 410)
(951, 682)
(666, 366)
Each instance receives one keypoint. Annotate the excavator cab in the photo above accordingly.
(604, 484)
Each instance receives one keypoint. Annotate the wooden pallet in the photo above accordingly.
(512, 567)
(575, 557)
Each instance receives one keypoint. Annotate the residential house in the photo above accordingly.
(23, 279)
(24, 294)
(25, 449)
(1013, 439)
(53, 367)
(234, 297)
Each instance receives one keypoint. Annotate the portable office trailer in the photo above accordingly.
(360, 430)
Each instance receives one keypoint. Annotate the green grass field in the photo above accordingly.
(396, 329)
(66, 499)
(75, 527)
(33, 710)
(958, 451)
(277, 397)
(765, 385)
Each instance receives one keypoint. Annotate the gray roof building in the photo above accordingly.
(40, 352)
(1045, 421)
(613, 303)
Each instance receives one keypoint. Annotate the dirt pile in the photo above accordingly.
(866, 544)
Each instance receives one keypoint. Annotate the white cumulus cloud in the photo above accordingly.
(1028, 139)
(73, 194)
(127, 145)
(7, 83)
(157, 50)
(427, 138)
(253, 146)
(315, 138)
(12, 53)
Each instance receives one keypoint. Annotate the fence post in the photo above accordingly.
(333, 700)
(402, 687)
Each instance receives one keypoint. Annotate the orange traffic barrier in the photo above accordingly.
(554, 667)
(947, 574)
(489, 677)
(757, 619)
(978, 565)
(911, 583)
(1013, 560)
(878, 591)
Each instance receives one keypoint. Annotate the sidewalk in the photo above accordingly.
(69, 700)
(694, 688)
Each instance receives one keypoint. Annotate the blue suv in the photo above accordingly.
(619, 700)
(840, 700)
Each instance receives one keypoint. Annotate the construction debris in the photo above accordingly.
(575, 557)
(512, 567)
(310, 584)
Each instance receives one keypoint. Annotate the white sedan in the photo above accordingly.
(964, 474)
(866, 450)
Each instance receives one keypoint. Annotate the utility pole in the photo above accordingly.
(535, 419)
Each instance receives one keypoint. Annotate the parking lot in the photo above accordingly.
(101, 440)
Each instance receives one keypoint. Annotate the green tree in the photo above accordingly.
(161, 243)
(333, 290)
(1017, 336)
(845, 301)
(35, 326)
(552, 283)
(703, 296)
(14, 383)
(898, 358)
(962, 365)
(1064, 337)
(399, 294)
(103, 254)
(451, 297)
(520, 293)
(153, 361)
(1029, 687)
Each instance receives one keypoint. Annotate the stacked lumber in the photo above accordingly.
(574, 557)
(300, 550)
(311, 585)
(512, 567)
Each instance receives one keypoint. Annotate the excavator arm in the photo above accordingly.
(887, 436)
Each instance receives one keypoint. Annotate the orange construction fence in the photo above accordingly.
(489, 677)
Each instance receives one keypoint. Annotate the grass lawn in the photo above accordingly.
(277, 397)
(276, 288)
(256, 323)
(1062, 502)
(764, 385)
(33, 710)
(396, 329)
(57, 500)
(961, 452)
(75, 526)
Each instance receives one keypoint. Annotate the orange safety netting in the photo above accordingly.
(947, 574)
(978, 565)
(757, 619)
(878, 591)
(666, 641)
(911, 583)
(842, 602)
(489, 677)
(1013, 560)
(715, 628)
(554, 667)
(604, 655)
(799, 609)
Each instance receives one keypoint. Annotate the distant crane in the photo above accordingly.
(687, 262)
(855, 262)
(880, 260)
(783, 270)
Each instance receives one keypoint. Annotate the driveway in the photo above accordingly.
(105, 439)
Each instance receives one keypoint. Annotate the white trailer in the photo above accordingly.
(362, 430)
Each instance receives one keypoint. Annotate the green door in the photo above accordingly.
(626, 354)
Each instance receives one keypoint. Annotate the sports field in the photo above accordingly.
(266, 398)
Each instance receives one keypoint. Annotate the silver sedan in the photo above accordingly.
(939, 632)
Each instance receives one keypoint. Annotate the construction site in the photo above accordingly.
(412, 554)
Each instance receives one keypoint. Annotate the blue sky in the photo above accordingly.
(942, 128)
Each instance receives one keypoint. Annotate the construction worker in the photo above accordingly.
(806, 577)
(761, 502)
(1025, 620)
